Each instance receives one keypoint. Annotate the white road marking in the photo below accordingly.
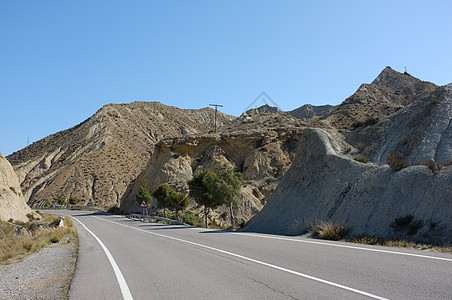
(341, 246)
(126, 295)
(254, 261)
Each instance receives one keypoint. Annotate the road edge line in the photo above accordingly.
(126, 294)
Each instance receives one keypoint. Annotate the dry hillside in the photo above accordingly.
(96, 160)
(389, 92)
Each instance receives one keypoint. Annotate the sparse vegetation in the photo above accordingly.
(61, 201)
(407, 224)
(202, 189)
(73, 200)
(367, 122)
(362, 159)
(434, 167)
(229, 184)
(17, 243)
(389, 242)
(327, 230)
(214, 189)
(189, 218)
(396, 162)
(144, 195)
(401, 221)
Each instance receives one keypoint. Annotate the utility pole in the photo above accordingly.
(216, 108)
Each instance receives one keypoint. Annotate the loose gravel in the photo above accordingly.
(43, 275)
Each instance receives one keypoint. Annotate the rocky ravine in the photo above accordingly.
(12, 202)
(325, 183)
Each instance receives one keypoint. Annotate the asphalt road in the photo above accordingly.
(126, 259)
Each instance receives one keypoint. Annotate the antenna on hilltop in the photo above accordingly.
(216, 108)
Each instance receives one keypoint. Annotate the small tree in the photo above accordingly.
(203, 190)
(228, 187)
(179, 202)
(162, 194)
(61, 201)
(144, 195)
(48, 203)
(73, 201)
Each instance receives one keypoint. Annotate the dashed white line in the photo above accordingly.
(126, 295)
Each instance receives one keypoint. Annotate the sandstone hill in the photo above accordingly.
(389, 92)
(12, 202)
(96, 160)
(327, 183)
(261, 145)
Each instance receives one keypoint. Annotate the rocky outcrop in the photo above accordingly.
(308, 111)
(262, 155)
(326, 183)
(12, 202)
(96, 160)
(388, 93)
(264, 109)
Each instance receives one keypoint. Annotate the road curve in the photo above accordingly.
(158, 261)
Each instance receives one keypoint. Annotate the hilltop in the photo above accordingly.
(96, 160)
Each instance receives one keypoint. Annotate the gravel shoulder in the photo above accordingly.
(42, 275)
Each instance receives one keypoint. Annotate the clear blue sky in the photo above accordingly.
(62, 60)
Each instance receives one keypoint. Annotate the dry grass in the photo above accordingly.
(398, 243)
(328, 231)
(41, 233)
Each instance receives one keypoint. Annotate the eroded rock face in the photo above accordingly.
(325, 183)
(96, 160)
(12, 202)
(262, 155)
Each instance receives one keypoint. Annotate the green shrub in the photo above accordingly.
(396, 162)
(367, 122)
(362, 159)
